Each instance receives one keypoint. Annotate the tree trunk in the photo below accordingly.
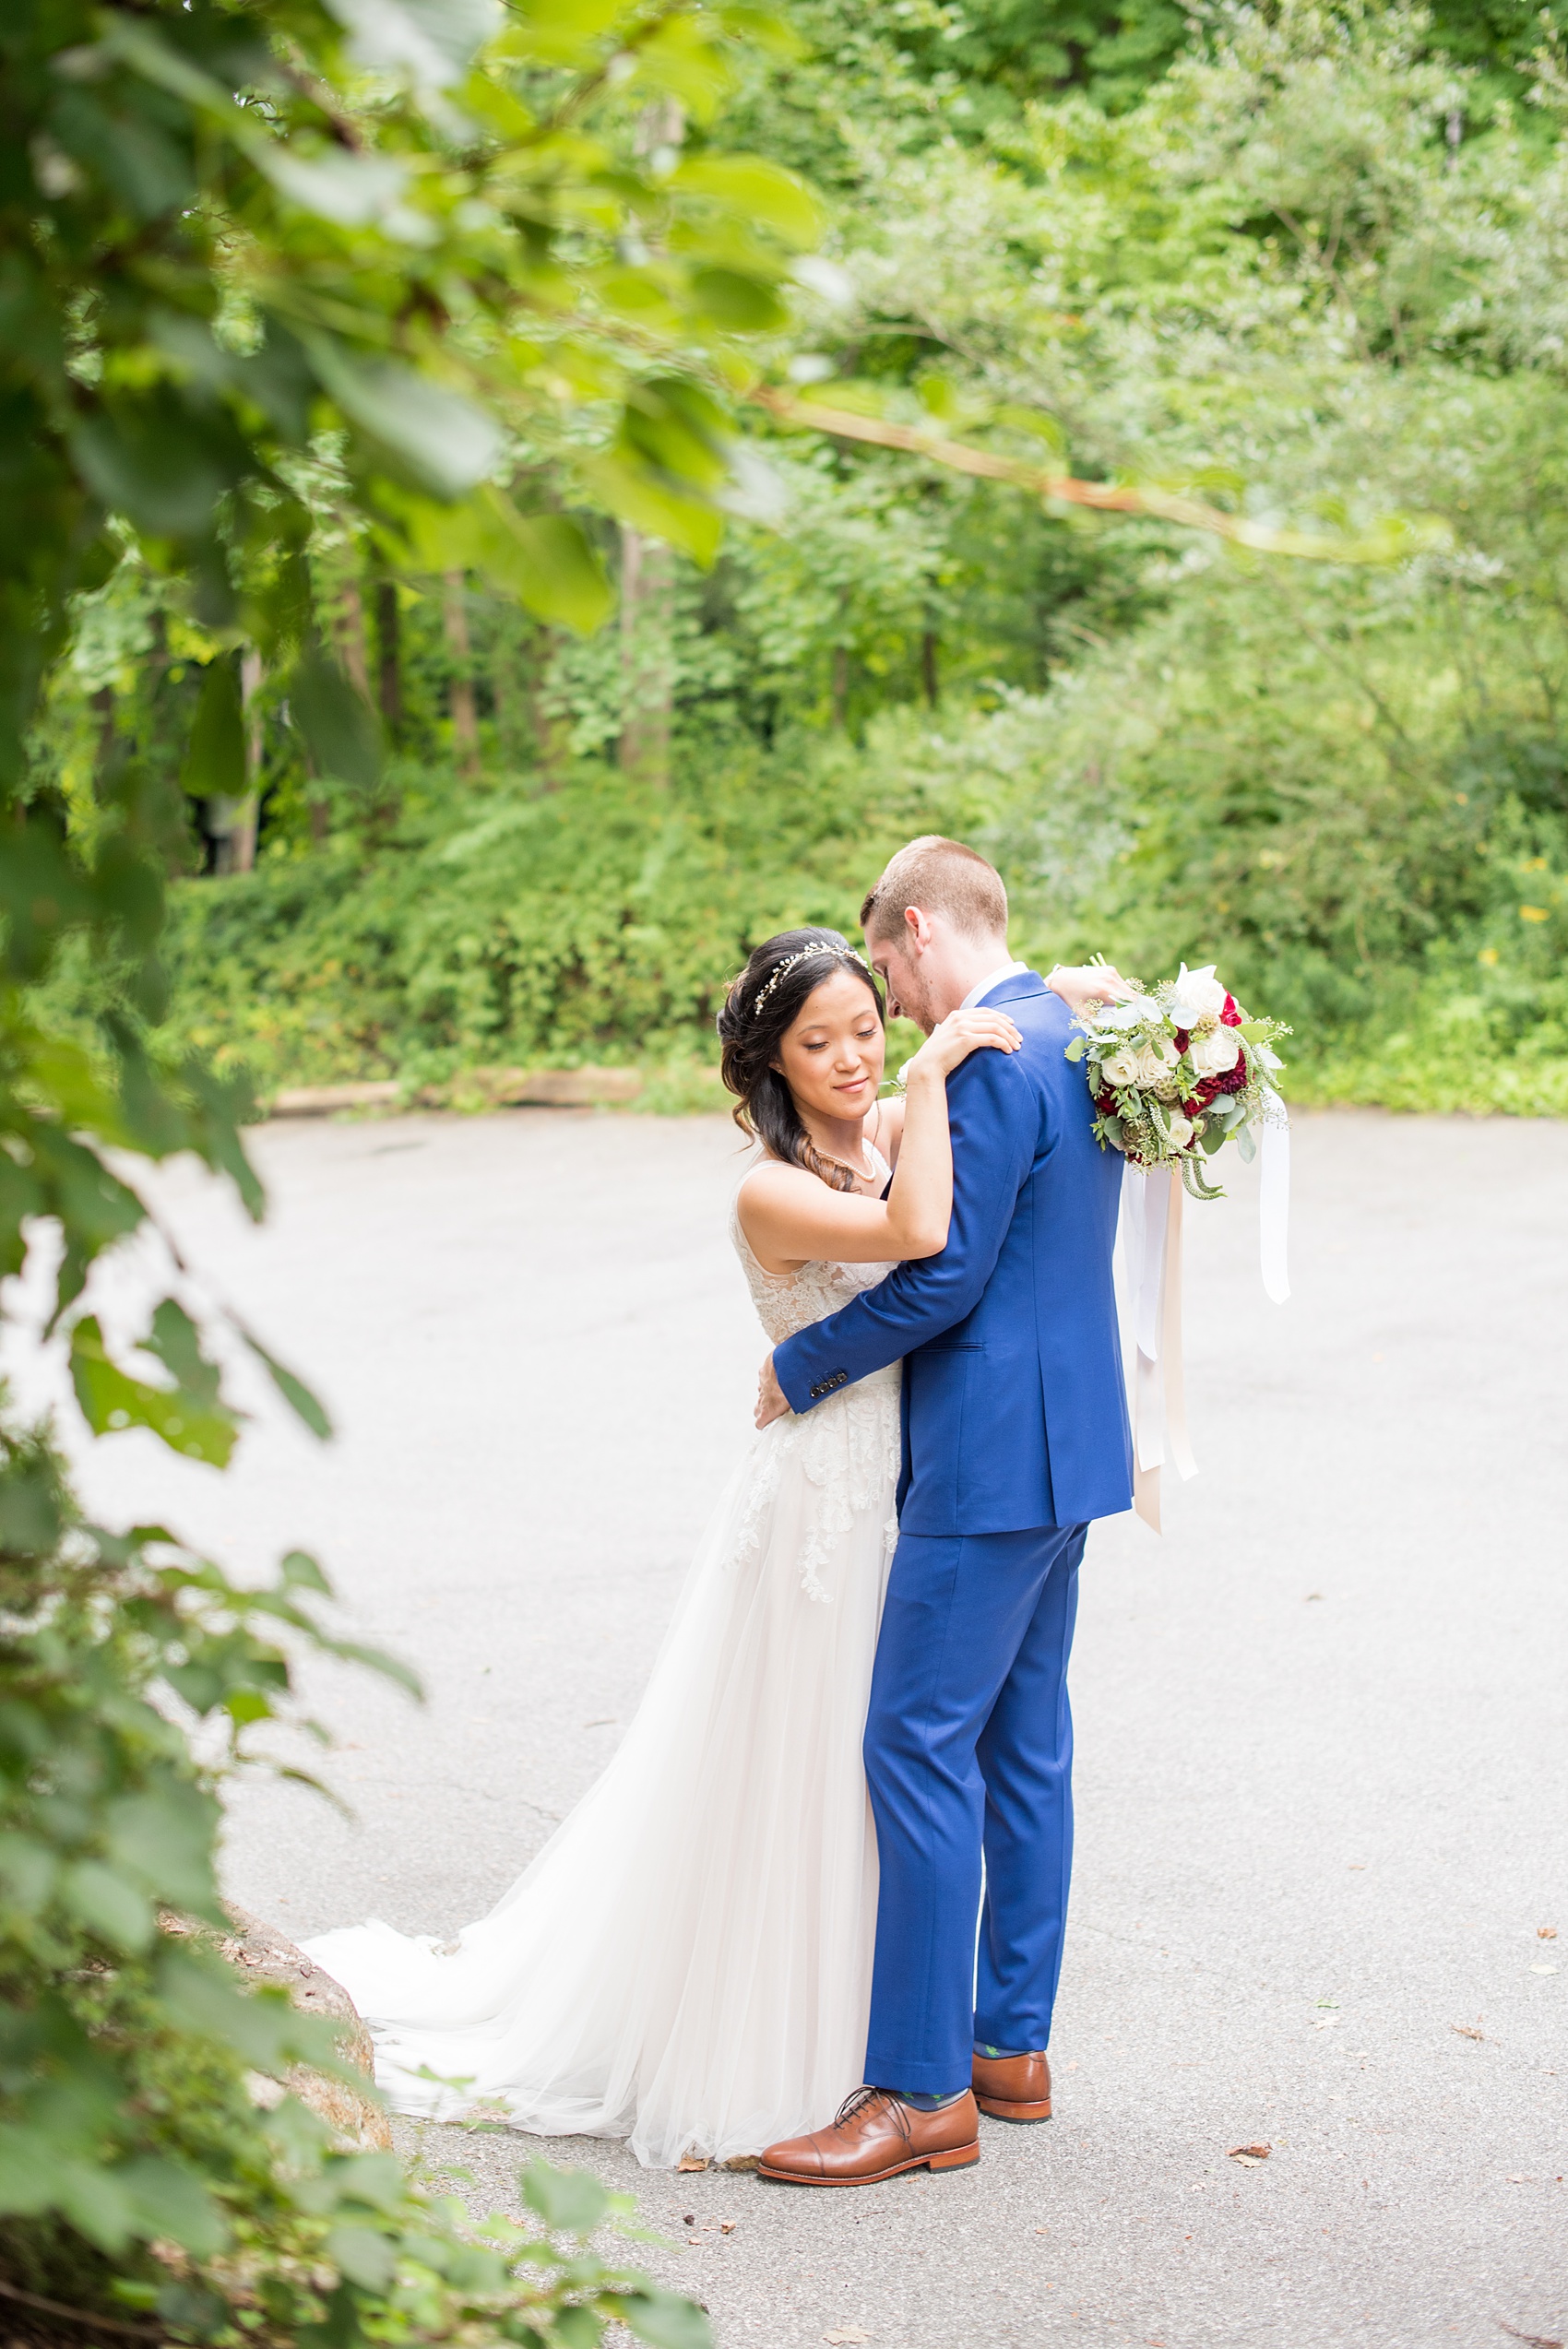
(544, 725)
(841, 686)
(103, 710)
(389, 648)
(465, 717)
(841, 666)
(929, 678)
(351, 640)
(647, 681)
(236, 849)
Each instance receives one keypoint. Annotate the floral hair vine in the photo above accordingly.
(840, 954)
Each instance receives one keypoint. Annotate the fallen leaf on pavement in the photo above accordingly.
(1543, 1969)
(1531, 2339)
(726, 2226)
(692, 2161)
(1248, 2153)
(845, 2333)
(1466, 2031)
(1546, 1932)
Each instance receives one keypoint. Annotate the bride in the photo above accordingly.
(687, 1962)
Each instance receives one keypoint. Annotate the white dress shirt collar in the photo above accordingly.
(979, 992)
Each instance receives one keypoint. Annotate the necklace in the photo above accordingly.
(862, 1174)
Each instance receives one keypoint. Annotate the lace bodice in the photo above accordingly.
(790, 1302)
(840, 1458)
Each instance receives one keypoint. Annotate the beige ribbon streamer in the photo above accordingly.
(1148, 1255)
(1149, 1237)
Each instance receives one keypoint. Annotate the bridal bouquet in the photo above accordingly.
(1178, 1072)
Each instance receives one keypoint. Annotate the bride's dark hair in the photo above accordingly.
(761, 1005)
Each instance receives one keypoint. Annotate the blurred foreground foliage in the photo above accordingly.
(285, 290)
(152, 2165)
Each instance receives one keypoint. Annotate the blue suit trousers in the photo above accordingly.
(968, 1749)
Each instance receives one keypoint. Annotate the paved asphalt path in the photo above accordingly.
(1321, 1726)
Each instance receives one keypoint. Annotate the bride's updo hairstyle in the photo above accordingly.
(759, 1010)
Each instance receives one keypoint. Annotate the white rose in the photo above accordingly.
(1213, 1054)
(1181, 1130)
(1155, 1065)
(1122, 1068)
(1199, 996)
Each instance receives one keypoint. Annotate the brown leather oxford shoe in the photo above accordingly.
(874, 2137)
(1013, 2087)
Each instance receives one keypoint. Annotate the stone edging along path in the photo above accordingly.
(476, 1089)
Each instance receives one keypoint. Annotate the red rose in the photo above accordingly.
(1183, 1039)
(1231, 1016)
(1233, 1081)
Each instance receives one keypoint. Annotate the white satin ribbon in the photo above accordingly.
(1274, 1199)
(1148, 1290)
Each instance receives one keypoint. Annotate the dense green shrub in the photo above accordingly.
(1394, 884)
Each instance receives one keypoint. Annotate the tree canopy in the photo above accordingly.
(1304, 275)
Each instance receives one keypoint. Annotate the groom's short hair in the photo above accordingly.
(941, 877)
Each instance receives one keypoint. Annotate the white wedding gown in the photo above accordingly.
(687, 1962)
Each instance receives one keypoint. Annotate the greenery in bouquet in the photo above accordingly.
(1177, 1070)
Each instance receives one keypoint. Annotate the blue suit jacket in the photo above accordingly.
(1015, 1405)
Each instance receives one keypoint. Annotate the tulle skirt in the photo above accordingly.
(687, 1962)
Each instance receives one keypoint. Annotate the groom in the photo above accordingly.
(1015, 1436)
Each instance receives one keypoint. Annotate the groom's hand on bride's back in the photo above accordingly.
(772, 1403)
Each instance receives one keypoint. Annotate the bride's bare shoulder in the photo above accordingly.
(771, 1182)
(768, 1200)
(886, 1128)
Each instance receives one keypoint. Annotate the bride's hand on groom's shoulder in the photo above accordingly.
(772, 1403)
(1082, 985)
(954, 1038)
